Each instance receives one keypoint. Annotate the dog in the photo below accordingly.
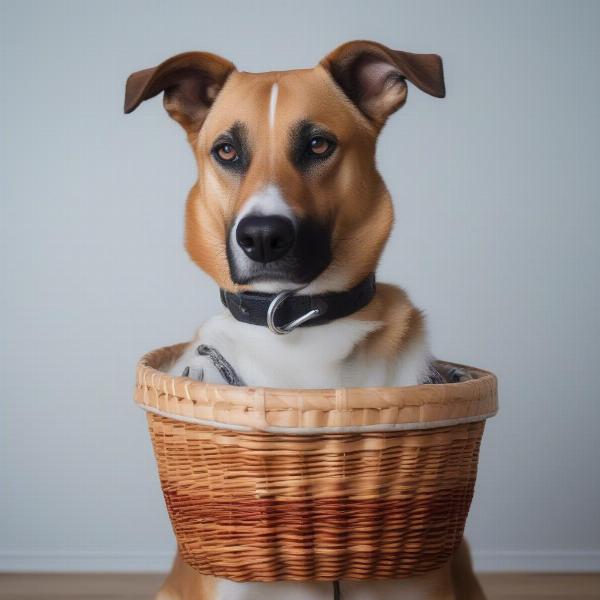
(289, 216)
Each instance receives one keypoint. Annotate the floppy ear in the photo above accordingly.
(190, 81)
(373, 76)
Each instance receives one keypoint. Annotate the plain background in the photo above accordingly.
(496, 189)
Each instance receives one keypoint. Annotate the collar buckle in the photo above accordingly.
(285, 329)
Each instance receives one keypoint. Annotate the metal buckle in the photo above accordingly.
(272, 310)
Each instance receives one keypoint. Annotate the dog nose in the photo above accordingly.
(265, 239)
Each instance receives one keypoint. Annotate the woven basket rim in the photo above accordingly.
(307, 411)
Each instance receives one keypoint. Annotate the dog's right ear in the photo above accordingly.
(373, 76)
(190, 82)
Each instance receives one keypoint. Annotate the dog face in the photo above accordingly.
(288, 194)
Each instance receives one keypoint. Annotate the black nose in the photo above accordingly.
(265, 239)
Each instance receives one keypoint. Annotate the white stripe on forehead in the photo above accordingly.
(273, 105)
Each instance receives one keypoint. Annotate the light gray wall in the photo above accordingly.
(496, 189)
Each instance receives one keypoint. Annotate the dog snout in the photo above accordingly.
(265, 238)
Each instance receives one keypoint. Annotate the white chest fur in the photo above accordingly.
(311, 357)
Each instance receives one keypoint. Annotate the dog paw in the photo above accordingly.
(204, 364)
(196, 367)
(451, 374)
(456, 375)
(168, 593)
(196, 373)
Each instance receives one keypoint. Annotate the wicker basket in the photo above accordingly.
(269, 484)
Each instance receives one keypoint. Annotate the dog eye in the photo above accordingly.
(226, 152)
(320, 146)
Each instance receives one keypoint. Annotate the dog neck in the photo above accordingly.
(285, 311)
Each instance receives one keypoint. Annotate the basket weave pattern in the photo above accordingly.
(262, 506)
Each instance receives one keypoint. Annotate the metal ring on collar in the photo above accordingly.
(276, 303)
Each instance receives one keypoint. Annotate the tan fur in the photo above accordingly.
(348, 190)
(403, 323)
(464, 582)
(207, 95)
(183, 583)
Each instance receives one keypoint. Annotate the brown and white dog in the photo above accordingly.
(289, 199)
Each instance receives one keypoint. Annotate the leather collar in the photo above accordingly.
(253, 307)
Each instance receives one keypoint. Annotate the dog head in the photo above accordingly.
(288, 194)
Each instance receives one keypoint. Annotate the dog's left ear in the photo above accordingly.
(373, 76)
(190, 82)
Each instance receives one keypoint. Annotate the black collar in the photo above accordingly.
(253, 307)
